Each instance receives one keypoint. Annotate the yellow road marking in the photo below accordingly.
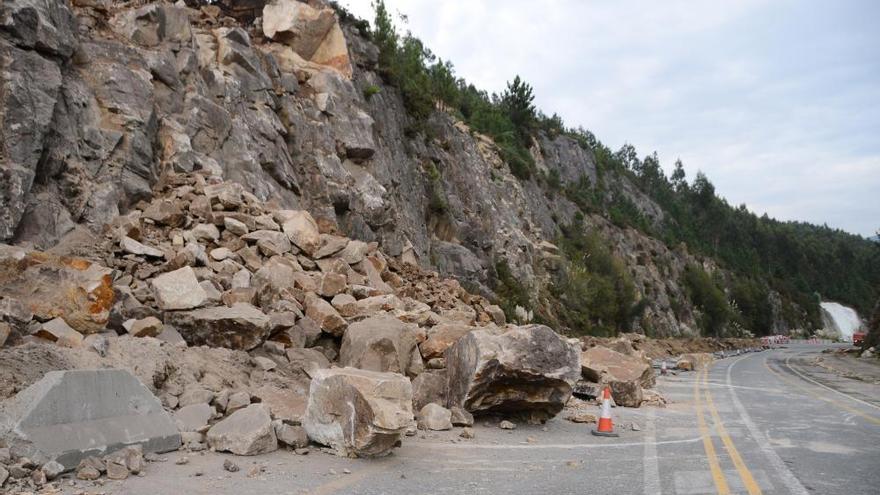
(838, 404)
(744, 473)
(714, 465)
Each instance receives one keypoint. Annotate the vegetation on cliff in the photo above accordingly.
(760, 256)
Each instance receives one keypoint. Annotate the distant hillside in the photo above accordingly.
(773, 274)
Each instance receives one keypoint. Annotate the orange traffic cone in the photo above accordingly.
(605, 427)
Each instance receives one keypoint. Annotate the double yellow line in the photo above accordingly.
(714, 463)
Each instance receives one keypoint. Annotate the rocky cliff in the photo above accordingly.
(100, 99)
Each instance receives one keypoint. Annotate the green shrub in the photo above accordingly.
(371, 91)
(511, 293)
(709, 298)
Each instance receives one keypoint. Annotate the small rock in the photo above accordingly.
(346, 471)
(88, 473)
(51, 469)
(238, 401)
(332, 472)
(636, 427)
(302, 451)
(293, 436)
(507, 425)
(38, 478)
(265, 363)
(230, 466)
(116, 470)
(182, 460)
(531, 439)
(146, 327)
(467, 432)
(435, 417)
(59, 331)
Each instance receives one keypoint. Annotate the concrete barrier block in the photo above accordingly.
(70, 415)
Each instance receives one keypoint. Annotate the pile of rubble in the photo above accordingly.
(256, 327)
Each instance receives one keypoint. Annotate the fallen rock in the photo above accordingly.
(694, 361)
(460, 417)
(146, 327)
(179, 289)
(525, 371)
(507, 425)
(241, 326)
(294, 436)
(300, 228)
(327, 318)
(358, 412)
(248, 431)
(44, 421)
(441, 337)
(381, 343)
(194, 417)
(46, 286)
(428, 387)
(467, 432)
(435, 417)
(283, 403)
(308, 361)
(59, 331)
(626, 375)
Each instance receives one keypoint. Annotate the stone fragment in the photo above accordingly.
(230, 466)
(331, 284)
(308, 361)
(460, 417)
(195, 394)
(59, 331)
(294, 436)
(346, 304)
(234, 226)
(526, 371)
(284, 403)
(497, 314)
(358, 412)
(44, 421)
(467, 432)
(132, 246)
(694, 361)
(435, 417)
(116, 470)
(330, 245)
(322, 313)
(241, 326)
(429, 386)
(221, 253)
(194, 417)
(265, 363)
(248, 431)
(270, 242)
(87, 473)
(51, 470)
(238, 400)
(206, 232)
(5, 332)
(354, 252)
(165, 212)
(507, 425)
(301, 229)
(381, 343)
(441, 337)
(146, 327)
(178, 290)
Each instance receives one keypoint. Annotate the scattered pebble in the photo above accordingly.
(230, 466)
(507, 425)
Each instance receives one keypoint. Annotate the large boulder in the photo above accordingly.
(47, 421)
(381, 343)
(358, 412)
(241, 326)
(428, 387)
(626, 375)
(248, 431)
(525, 371)
(312, 33)
(49, 286)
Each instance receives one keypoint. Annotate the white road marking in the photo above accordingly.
(652, 465)
(838, 392)
(787, 477)
(558, 445)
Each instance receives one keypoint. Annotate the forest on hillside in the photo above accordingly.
(803, 263)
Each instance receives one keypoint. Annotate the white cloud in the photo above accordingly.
(777, 102)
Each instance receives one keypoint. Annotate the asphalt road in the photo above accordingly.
(768, 422)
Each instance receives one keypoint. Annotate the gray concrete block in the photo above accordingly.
(70, 415)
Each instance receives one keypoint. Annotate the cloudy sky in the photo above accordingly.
(778, 102)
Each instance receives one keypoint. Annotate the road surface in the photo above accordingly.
(768, 422)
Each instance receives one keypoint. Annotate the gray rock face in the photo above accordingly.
(241, 326)
(357, 412)
(86, 137)
(248, 431)
(526, 371)
(381, 343)
(44, 422)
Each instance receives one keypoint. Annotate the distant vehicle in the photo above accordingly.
(858, 338)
